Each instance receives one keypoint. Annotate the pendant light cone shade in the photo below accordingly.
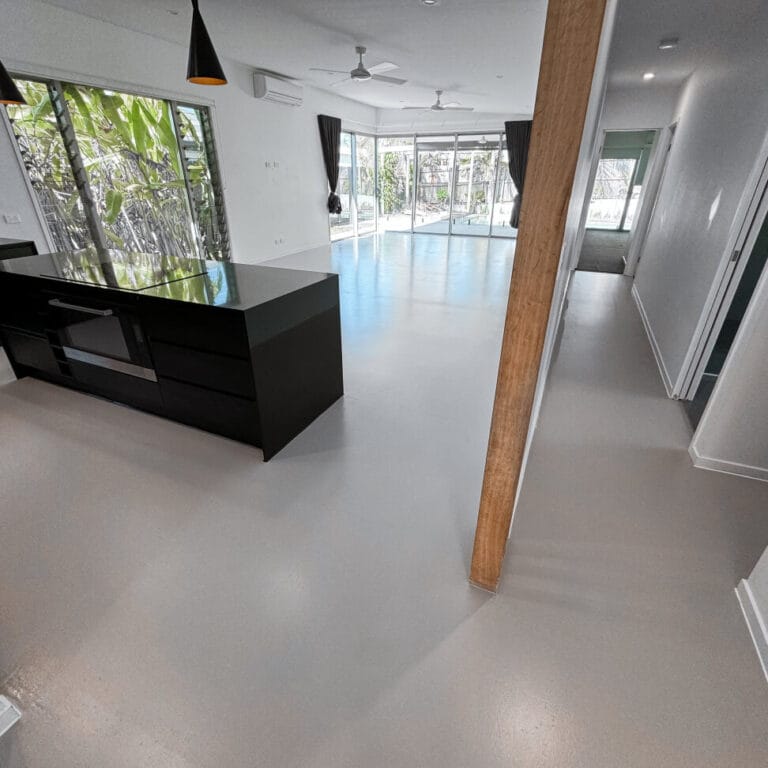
(9, 93)
(203, 67)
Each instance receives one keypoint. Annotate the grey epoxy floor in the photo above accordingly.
(167, 600)
(603, 251)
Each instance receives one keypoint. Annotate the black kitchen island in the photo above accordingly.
(249, 352)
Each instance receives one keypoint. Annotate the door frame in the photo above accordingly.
(650, 186)
(646, 205)
(724, 289)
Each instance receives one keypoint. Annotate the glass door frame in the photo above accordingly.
(630, 189)
(353, 185)
(456, 135)
(497, 165)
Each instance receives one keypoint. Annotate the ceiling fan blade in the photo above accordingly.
(452, 104)
(391, 80)
(421, 108)
(329, 71)
(458, 109)
(385, 66)
(341, 82)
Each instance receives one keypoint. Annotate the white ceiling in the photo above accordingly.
(710, 32)
(482, 53)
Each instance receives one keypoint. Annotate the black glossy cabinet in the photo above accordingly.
(249, 352)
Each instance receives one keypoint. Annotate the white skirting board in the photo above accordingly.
(728, 467)
(755, 623)
(654, 344)
(9, 715)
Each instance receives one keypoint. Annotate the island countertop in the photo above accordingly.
(251, 352)
(210, 283)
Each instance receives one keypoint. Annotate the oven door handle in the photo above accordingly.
(59, 304)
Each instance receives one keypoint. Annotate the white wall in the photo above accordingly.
(753, 596)
(723, 115)
(640, 108)
(264, 205)
(589, 149)
(733, 432)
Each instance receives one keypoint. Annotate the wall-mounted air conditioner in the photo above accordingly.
(274, 89)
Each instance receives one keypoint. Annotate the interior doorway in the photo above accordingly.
(616, 194)
(745, 287)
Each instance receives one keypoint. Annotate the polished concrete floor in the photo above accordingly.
(168, 600)
(604, 251)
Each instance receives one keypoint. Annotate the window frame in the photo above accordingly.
(414, 136)
(173, 101)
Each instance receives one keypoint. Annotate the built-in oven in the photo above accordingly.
(91, 334)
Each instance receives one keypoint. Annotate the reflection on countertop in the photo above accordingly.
(211, 283)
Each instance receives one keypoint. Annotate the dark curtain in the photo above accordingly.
(518, 138)
(330, 138)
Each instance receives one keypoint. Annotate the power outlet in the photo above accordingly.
(12, 218)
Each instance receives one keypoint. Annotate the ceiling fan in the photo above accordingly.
(360, 73)
(438, 106)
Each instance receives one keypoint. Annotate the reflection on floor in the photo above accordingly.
(168, 600)
(604, 251)
(462, 225)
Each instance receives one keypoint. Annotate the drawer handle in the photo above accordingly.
(59, 304)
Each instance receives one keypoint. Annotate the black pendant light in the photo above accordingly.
(203, 67)
(9, 93)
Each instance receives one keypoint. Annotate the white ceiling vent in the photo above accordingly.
(274, 89)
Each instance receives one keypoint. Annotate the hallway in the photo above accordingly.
(604, 251)
(169, 600)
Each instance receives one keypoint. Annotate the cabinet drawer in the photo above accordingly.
(205, 369)
(226, 415)
(31, 351)
(219, 332)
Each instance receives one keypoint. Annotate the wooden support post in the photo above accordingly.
(571, 41)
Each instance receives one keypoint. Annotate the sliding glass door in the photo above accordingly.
(476, 161)
(342, 224)
(435, 157)
(395, 183)
(356, 187)
(457, 184)
(504, 197)
(365, 183)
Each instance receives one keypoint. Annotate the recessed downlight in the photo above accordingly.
(649, 76)
(430, 3)
(668, 43)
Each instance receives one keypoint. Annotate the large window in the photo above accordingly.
(434, 187)
(476, 165)
(45, 159)
(356, 187)
(456, 184)
(504, 199)
(365, 184)
(120, 171)
(343, 224)
(610, 195)
(395, 186)
(619, 179)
